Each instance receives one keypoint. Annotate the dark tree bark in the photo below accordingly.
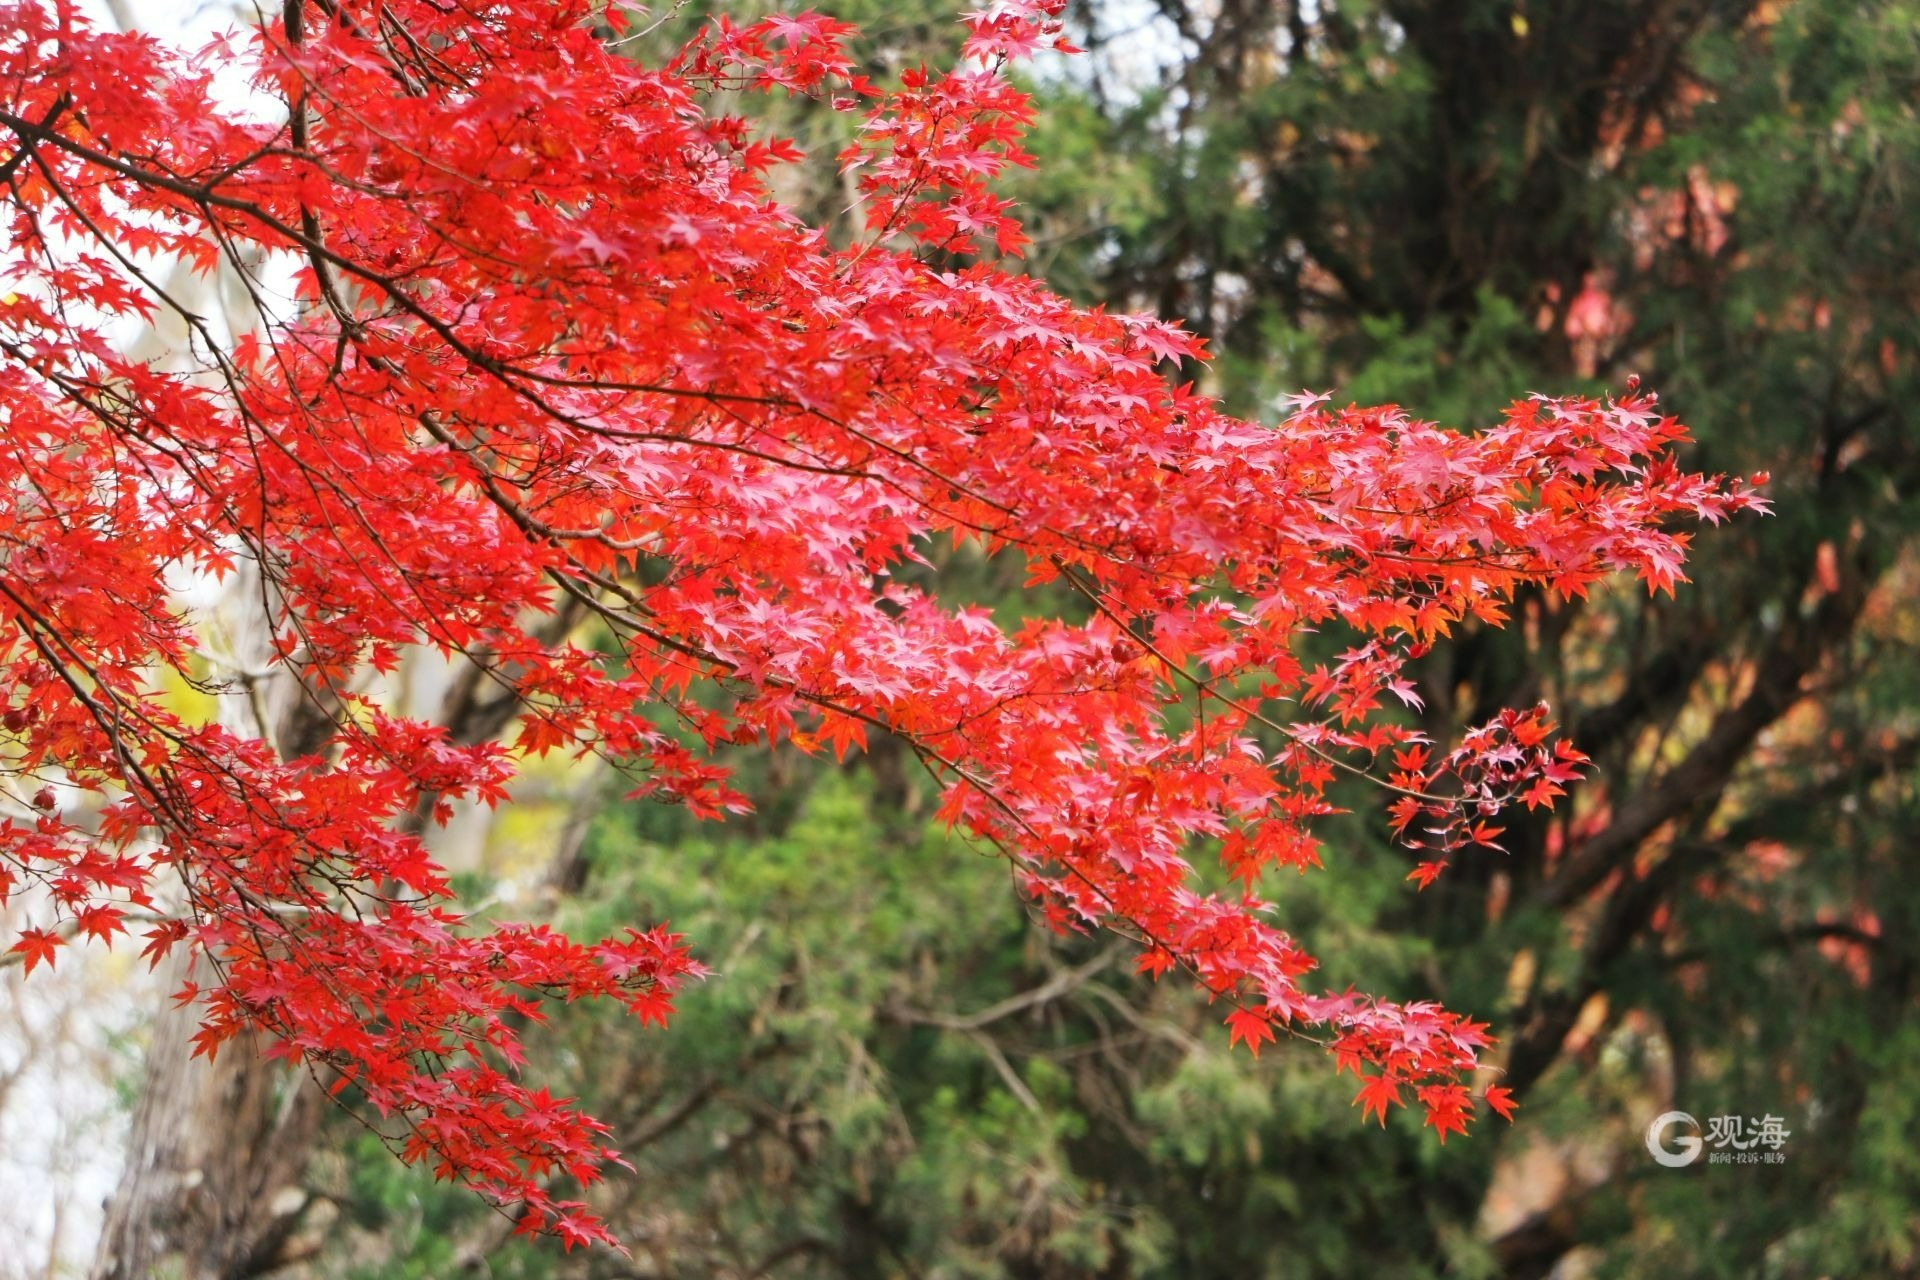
(212, 1188)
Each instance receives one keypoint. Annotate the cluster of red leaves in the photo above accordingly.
(557, 347)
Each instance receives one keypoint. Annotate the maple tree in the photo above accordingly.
(556, 350)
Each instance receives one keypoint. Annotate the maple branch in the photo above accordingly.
(13, 162)
(1205, 687)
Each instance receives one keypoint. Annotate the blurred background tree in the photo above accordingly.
(1444, 203)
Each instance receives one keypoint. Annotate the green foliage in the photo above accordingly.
(842, 1096)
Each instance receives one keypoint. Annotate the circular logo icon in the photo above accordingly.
(1684, 1151)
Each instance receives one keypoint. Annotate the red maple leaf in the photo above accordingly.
(1447, 1107)
(1376, 1095)
(101, 922)
(37, 945)
(1249, 1027)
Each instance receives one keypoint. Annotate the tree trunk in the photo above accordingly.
(212, 1185)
